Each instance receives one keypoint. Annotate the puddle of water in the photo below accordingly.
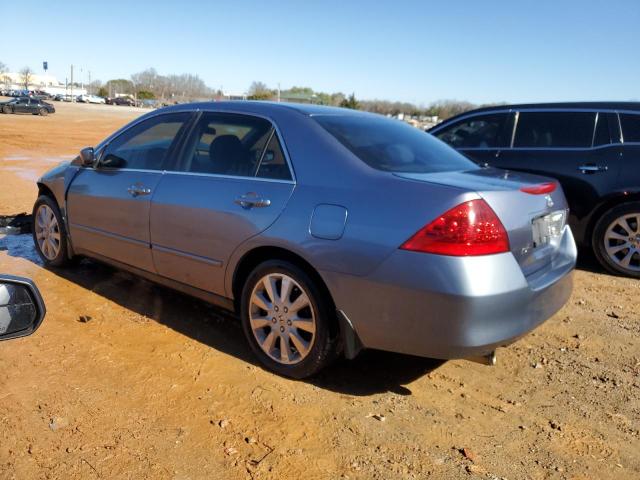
(25, 173)
(20, 246)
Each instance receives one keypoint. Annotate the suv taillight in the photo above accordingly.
(471, 228)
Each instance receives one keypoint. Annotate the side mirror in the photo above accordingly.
(21, 307)
(87, 157)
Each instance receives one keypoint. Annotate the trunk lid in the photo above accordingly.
(534, 222)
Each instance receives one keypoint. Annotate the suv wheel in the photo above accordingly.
(287, 319)
(49, 234)
(616, 240)
(43, 112)
(7, 109)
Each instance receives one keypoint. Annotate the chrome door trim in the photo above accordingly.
(109, 234)
(179, 253)
(232, 177)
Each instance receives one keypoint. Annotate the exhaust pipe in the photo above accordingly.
(488, 359)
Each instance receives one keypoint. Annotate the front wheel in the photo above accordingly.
(44, 112)
(49, 235)
(616, 240)
(287, 319)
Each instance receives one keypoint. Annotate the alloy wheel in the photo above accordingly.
(47, 232)
(282, 318)
(622, 241)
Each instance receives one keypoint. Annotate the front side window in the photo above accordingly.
(479, 131)
(235, 145)
(630, 127)
(392, 145)
(555, 129)
(145, 145)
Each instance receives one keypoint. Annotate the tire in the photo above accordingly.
(43, 112)
(312, 329)
(616, 240)
(7, 109)
(50, 240)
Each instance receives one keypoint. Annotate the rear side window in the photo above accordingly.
(393, 146)
(235, 145)
(555, 129)
(630, 127)
(479, 131)
(145, 145)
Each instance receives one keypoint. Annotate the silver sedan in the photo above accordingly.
(327, 230)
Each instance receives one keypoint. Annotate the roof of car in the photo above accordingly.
(263, 106)
(561, 105)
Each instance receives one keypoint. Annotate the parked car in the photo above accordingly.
(129, 102)
(327, 229)
(22, 309)
(593, 149)
(91, 99)
(31, 105)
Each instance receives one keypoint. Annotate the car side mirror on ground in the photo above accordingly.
(21, 307)
(87, 157)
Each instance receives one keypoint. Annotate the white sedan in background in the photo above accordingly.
(91, 99)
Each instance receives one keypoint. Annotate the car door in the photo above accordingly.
(232, 183)
(108, 205)
(575, 147)
(22, 105)
(481, 137)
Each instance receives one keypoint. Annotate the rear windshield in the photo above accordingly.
(392, 145)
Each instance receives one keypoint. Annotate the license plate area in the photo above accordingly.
(548, 227)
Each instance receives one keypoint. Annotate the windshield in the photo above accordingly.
(392, 145)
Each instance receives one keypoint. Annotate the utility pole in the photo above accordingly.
(278, 92)
(72, 97)
(89, 82)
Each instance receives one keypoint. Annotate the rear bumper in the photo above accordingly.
(452, 307)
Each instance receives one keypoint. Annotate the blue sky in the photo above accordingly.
(418, 51)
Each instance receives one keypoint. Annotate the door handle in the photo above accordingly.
(135, 190)
(251, 200)
(590, 168)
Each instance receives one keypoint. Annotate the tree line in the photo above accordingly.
(149, 84)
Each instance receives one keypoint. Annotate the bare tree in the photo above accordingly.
(3, 68)
(259, 91)
(26, 75)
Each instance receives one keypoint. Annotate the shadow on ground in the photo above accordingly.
(370, 373)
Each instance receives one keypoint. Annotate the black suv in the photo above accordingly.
(592, 148)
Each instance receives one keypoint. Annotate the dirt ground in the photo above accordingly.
(129, 380)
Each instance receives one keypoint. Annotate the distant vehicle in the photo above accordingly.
(128, 101)
(592, 148)
(31, 105)
(326, 229)
(91, 99)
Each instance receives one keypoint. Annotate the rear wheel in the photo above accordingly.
(287, 319)
(7, 109)
(616, 240)
(49, 234)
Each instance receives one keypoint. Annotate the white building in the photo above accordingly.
(47, 83)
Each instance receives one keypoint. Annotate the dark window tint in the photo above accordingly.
(481, 131)
(227, 144)
(145, 145)
(392, 145)
(601, 135)
(630, 127)
(274, 164)
(555, 129)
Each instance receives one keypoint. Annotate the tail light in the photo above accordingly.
(471, 228)
(540, 188)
